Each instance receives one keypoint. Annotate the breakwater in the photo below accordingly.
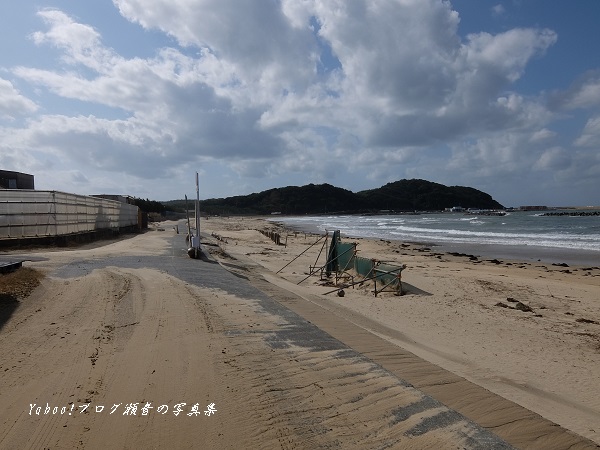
(572, 213)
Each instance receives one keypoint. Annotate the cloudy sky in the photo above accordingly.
(135, 96)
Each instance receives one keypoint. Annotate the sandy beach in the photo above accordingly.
(460, 314)
(128, 343)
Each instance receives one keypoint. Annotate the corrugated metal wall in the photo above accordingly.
(29, 213)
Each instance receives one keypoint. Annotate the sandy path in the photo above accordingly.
(111, 337)
(113, 328)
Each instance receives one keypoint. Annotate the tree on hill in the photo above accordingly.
(150, 206)
(287, 200)
(422, 195)
(403, 195)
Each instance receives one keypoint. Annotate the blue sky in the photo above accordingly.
(134, 97)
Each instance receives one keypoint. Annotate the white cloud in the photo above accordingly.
(542, 135)
(590, 136)
(498, 10)
(498, 154)
(584, 93)
(257, 39)
(80, 42)
(171, 99)
(589, 95)
(554, 159)
(12, 103)
(306, 87)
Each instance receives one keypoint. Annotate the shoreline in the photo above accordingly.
(513, 253)
(548, 255)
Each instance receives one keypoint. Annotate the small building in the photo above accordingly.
(534, 208)
(15, 180)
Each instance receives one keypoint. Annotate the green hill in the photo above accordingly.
(421, 195)
(403, 195)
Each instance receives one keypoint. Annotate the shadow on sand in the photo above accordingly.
(8, 305)
(409, 289)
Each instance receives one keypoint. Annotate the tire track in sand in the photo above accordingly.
(66, 316)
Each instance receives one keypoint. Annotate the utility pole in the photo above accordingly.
(197, 217)
(194, 250)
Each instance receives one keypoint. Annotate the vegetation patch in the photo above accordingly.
(18, 284)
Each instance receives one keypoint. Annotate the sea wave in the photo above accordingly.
(515, 230)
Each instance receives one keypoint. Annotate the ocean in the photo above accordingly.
(519, 235)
